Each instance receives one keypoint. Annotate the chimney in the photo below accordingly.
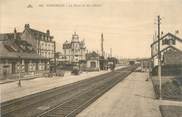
(15, 33)
(27, 26)
(48, 32)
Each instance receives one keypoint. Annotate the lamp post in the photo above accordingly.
(19, 79)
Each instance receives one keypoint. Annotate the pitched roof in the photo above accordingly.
(5, 36)
(38, 34)
(168, 34)
(171, 47)
(17, 45)
(92, 55)
(17, 48)
(66, 45)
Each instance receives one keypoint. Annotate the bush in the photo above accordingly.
(168, 70)
(171, 89)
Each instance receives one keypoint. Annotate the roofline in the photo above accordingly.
(23, 57)
(179, 39)
(11, 33)
(43, 33)
(167, 48)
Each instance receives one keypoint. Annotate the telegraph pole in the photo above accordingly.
(159, 59)
(55, 56)
(102, 44)
(19, 78)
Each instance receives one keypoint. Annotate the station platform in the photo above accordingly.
(133, 97)
(11, 90)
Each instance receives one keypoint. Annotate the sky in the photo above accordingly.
(128, 26)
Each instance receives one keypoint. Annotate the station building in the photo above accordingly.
(169, 43)
(18, 56)
(20, 53)
(93, 63)
(171, 54)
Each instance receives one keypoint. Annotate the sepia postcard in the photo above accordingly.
(90, 58)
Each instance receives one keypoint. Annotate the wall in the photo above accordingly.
(31, 68)
(89, 68)
(28, 37)
(173, 58)
(47, 49)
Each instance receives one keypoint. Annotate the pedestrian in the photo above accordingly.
(4, 73)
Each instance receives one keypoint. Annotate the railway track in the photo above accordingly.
(64, 101)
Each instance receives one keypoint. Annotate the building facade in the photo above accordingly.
(42, 42)
(60, 59)
(18, 57)
(74, 51)
(92, 63)
(168, 42)
(172, 57)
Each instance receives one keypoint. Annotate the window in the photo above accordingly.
(168, 42)
(165, 42)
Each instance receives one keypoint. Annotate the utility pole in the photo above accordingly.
(19, 79)
(159, 59)
(55, 56)
(102, 45)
